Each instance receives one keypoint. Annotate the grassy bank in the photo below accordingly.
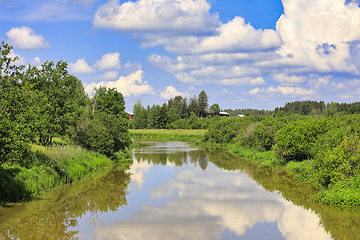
(323, 152)
(187, 135)
(49, 168)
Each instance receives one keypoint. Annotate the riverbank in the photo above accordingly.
(188, 135)
(50, 168)
(346, 193)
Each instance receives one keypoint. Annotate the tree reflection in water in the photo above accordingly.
(52, 219)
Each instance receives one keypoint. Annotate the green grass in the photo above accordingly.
(187, 135)
(50, 168)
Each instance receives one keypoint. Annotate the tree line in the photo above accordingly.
(305, 108)
(38, 104)
(178, 112)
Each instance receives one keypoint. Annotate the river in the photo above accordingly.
(176, 191)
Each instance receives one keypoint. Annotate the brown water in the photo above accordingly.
(176, 191)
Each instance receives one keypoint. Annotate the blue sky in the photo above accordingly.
(244, 54)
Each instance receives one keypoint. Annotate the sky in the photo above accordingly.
(243, 53)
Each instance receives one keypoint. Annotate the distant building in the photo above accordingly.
(129, 116)
(224, 114)
(241, 115)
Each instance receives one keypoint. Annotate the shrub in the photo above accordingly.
(295, 141)
(263, 136)
(105, 134)
(338, 164)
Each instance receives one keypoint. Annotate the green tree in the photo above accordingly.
(203, 103)
(194, 106)
(108, 100)
(13, 131)
(215, 109)
(163, 118)
(153, 116)
(140, 115)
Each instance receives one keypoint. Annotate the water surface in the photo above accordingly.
(176, 191)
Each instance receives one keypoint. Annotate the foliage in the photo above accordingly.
(203, 103)
(338, 164)
(224, 130)
(105, 133)
(296, 140)
(263, 136)
(109, 101)
(214, 109)
(342, 193)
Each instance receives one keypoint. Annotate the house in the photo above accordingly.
(224, 114)
(129, 115)
(241, 115)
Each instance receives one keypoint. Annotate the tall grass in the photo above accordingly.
(50, 167)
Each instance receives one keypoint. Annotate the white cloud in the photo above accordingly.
(320, 82)
(338, 85)
(36, 62)
(291, 91)
(256, 90)
(232, 37)
(317, 34)
(131, 85)
(132, 67)
(80, 67)
(243, 81)
(221, 75)
(109, 75)
(284, 79)
(171, 92)
(25, 38)
(109, 61)
(176, 17)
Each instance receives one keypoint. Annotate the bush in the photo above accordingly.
(224, 130)
(296, 140)
(105, 134)
(338, 164)
(263, 136)
(343, 193)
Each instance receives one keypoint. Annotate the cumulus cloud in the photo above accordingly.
(234, 36)
(171, 92)
(80, 67)
(109, 61)
(176, 17)
(109, 75)
(36, 62)
(221, 75)
(25, 38)
(317, 34)
(256, 90)
(291, 91)
(131, 85)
